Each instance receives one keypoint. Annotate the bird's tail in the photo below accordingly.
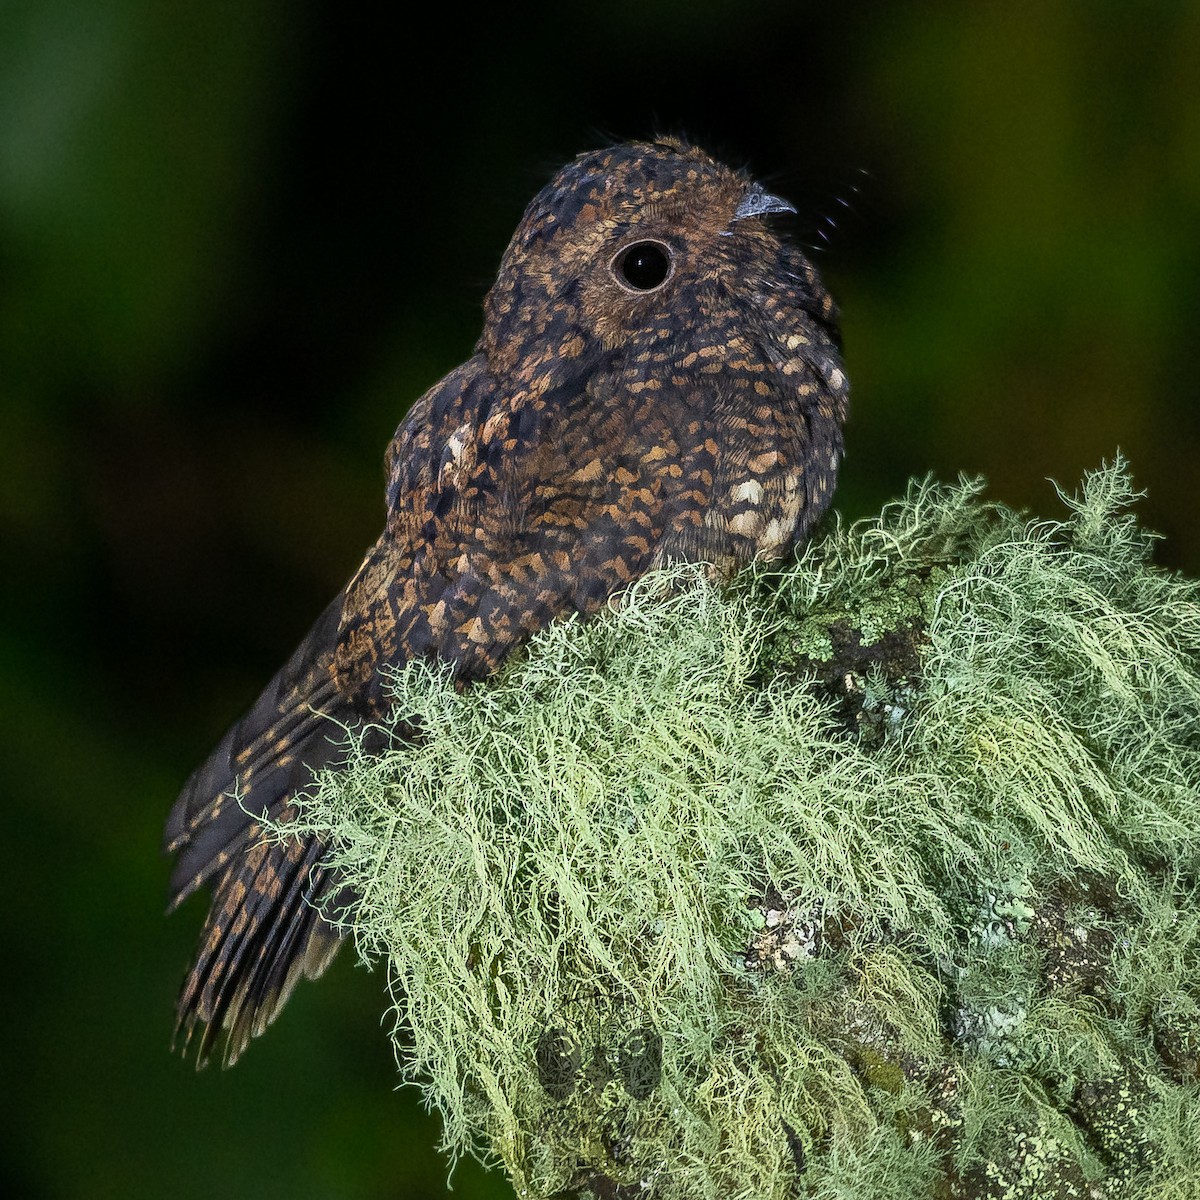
(264, 927)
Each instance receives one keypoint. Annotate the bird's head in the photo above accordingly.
(657, 261)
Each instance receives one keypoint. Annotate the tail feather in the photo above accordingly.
(216, 826)
(256, 951)
(302, 945)
(264, 928)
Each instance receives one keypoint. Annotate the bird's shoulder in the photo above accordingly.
(508, 504)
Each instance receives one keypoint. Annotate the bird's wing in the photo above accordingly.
(546, 507)
(265, 927)
(503, 515)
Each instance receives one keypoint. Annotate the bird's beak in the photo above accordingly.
(757, 203)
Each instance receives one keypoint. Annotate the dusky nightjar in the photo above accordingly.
(658, 378)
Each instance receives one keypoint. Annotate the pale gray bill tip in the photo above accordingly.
(757, 203)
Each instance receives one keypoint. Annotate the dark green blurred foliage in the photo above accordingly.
(236, 240)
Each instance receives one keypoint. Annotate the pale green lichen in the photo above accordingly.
(873, 876)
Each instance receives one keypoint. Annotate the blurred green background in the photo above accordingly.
(237, 240)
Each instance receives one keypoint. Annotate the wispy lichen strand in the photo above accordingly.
(875, 876)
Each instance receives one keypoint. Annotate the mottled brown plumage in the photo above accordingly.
(658, 379)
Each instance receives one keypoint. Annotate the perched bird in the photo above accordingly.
(658, 379)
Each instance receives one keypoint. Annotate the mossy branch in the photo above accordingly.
(873, 876)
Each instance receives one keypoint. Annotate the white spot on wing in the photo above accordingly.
(751, 490)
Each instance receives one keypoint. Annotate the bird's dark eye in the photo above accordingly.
(643, 266)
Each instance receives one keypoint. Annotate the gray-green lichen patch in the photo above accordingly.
(874, 876)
